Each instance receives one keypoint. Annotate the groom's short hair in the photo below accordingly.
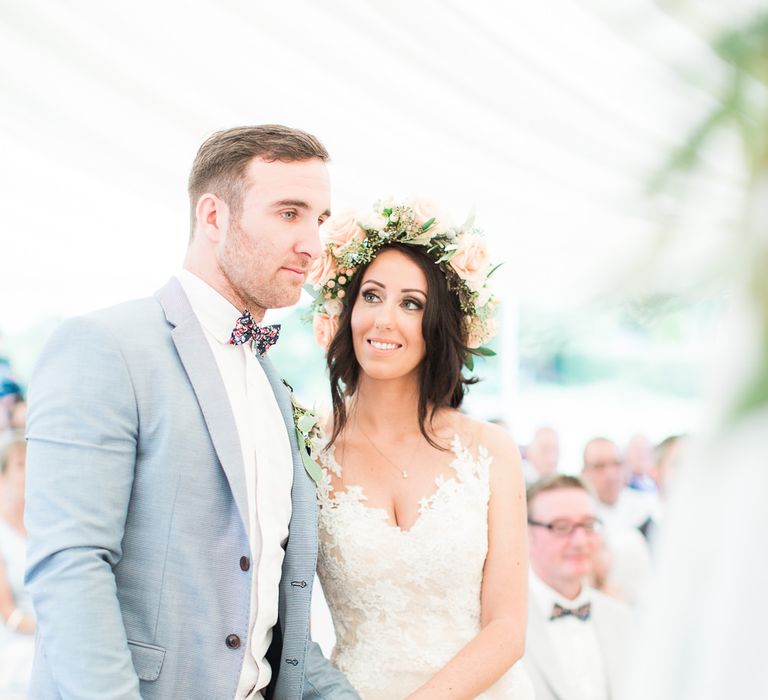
(221, 161)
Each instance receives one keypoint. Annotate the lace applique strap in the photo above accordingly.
(468, 467)
(323, 454)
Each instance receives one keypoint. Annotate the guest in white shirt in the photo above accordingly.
(623, 511)
(576, 635)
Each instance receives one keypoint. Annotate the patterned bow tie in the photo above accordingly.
(582, 612)
(264, 337)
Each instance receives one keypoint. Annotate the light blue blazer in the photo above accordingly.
(139, 558)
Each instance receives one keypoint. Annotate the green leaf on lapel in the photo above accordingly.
(312, 467)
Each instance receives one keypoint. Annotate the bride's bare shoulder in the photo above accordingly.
(474, 433)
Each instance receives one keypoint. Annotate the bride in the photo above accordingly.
(422, 509)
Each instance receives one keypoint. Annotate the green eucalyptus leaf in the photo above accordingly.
(306, 422)
(496, 267)
(485, 352)
(313, 469)
(469, 363)
(427, 223)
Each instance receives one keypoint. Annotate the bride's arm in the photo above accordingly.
(504, 599)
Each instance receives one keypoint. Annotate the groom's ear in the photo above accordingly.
(212, 216)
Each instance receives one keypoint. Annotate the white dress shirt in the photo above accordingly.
(267, 460)
(574, 643)
(631, 510)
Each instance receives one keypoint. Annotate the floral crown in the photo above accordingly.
(351, 240)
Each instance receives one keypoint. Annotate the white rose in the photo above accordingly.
(372, 221)
(333, 307)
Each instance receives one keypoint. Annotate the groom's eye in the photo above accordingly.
(288, 215)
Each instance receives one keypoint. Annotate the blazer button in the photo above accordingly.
(245, 563)
(233, 641)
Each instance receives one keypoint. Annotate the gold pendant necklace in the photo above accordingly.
(403, 470)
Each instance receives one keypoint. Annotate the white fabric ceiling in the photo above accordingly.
(548, 117)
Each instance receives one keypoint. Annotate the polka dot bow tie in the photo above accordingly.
(582, 612)
(264, 337)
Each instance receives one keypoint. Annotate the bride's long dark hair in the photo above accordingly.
(441, 382)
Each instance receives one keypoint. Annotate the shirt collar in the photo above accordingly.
(545, 596)
(215, 313)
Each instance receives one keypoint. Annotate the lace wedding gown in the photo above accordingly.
(404, 602)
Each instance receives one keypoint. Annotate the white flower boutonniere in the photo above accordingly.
(307, 427)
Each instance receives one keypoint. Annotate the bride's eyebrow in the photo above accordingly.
(383, 286)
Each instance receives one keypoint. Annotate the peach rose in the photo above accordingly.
(324, 327)
(322, 270)
(341, 229)
(424, 210)
(471, 260)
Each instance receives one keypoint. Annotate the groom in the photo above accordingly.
(172, 527)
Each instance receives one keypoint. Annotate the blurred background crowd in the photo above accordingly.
(616, 155)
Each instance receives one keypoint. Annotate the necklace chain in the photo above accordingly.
(403, 470)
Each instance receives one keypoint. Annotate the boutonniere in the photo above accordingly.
(307, 426)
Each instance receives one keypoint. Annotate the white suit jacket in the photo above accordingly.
(613, 625)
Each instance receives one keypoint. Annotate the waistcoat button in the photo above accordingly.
(233, 641)
(245, 563)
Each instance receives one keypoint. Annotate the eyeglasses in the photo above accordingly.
(563, 528)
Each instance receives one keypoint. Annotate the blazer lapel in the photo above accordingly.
(304, 517)
(538, 650)
(205, 378)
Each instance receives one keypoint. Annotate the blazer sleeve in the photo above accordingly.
(82, 436)
(322, 680)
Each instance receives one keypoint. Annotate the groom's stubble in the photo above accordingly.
(249, 273)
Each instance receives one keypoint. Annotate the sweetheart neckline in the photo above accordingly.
(355, 493)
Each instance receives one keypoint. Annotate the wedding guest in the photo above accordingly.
(669, 454)
(638, 455)
(541, 455)
(575, 644)
(604, 470)
(18, 415)
(623, 511)
(16, 642)
(10, 395)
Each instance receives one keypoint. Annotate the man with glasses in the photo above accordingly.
(576, 635)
